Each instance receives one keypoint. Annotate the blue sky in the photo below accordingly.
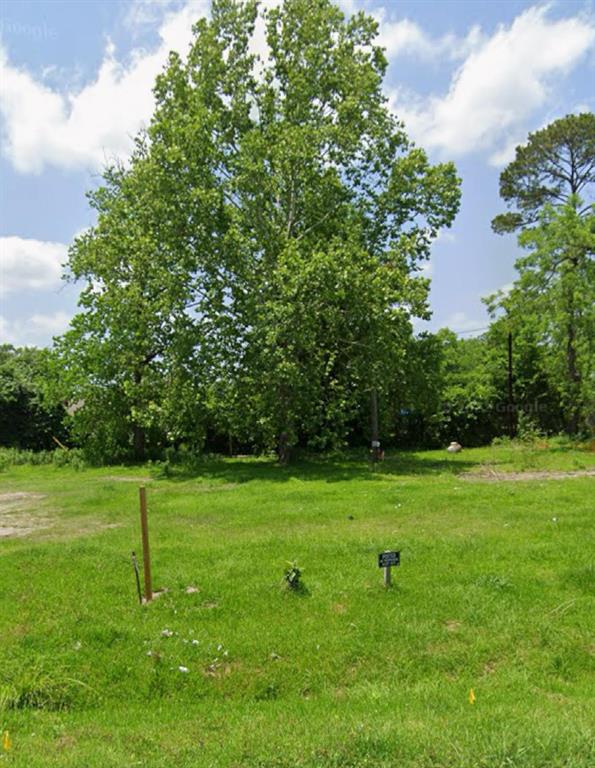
(469, 78)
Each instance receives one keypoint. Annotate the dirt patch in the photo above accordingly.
(21, 515)
(339, 608)
(453, 625)
(491, 476)
(18, 516)
(216, 487)
(127, 479)
(489, 668)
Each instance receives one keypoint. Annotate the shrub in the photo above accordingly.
(12, 457)
(293, 576)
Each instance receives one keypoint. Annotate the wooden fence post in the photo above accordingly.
(145, 534)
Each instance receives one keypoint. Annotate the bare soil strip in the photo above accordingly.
(491, 476)
(16, 514)
(126, 479)
(20, 515)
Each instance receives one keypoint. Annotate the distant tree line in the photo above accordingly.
(255, 270)
(448, 388)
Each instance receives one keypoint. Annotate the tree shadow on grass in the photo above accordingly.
(335, 469)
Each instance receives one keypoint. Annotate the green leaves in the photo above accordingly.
(555, 292)
(555, 163)
(29, 417)
(254, 270)
(551, 303)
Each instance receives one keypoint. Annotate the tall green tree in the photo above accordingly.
(318, 186)
(555, 295)
(260, 258)
(556, 163)
(536, 398)
(550, 186)
(452, 389)
(128, 360)
(470, 408)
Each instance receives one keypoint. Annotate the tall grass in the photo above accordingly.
(15, 457)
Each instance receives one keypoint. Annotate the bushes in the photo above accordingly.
(27, 418)
(11, 457)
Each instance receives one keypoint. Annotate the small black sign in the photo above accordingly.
(389, 558)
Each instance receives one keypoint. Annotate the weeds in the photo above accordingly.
(14, 457)
(293, 577)
(36, 689)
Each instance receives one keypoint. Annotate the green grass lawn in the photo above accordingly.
(494, 593)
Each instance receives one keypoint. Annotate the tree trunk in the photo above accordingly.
(574, 379)
(138, 435)
(572, 369)
(285, 422)
(283, 448)
(374, 429)
(511, 406)
(138, 432)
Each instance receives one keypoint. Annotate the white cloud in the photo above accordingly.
(445, 236)
(146, 13)
(36, 330)
(427, 268)
(499, 86)
(506, 152)
(507, 288)
(460, 322)
(27, 264)
(404, 37)
(349, 7)
(43, 126)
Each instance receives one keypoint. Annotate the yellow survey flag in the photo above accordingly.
(471, 696)
(6, 742)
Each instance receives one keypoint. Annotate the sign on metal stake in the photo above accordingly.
(386, 560)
